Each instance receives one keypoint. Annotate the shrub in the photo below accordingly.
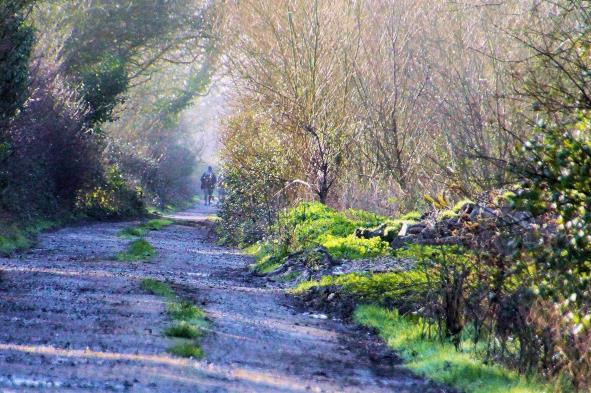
(52, 154)
(16, 42)
(113, 200)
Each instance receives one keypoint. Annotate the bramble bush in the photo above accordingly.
(115, 199)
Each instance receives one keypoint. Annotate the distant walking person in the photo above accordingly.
(208, 181)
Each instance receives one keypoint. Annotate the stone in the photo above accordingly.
(403, 230)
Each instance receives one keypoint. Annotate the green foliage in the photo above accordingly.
(187, 349)
(137, 250)
(16, 42)
(352, 247)
(114, 199)
(440, 361)
(558, 183)
(156, 287)
(311, 224)
(185, 311)
(102, 85)
(183, 330)
(381, 288)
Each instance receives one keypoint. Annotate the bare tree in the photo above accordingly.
(296, 59)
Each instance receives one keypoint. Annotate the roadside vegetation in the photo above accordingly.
(311, 225)
(438, 312)
(476, 116)
(16, 237)
(440, 361)
(91, 100)
(188, 320)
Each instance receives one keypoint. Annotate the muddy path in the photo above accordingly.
(73, 319)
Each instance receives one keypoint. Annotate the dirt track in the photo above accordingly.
(73, 319)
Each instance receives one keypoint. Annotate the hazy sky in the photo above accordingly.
(204, 119)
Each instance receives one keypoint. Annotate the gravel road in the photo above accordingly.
(72, 319)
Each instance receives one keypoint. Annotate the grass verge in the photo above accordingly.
(440, 361)
(188, 320)
(137, 250)
(18, 238)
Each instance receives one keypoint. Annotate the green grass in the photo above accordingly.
(183, 330)
(137, 250)
(312, 224)
(189, 321)
(17, 240)
(268, 257)
(382, 288)
(133, 232)
(289, 276)
(141, 230)
(172, 208)
(351, 247)
(187, 349)
(185, 311)
(14, 237)
(156, 287)
(440, 361)
(456, 208)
